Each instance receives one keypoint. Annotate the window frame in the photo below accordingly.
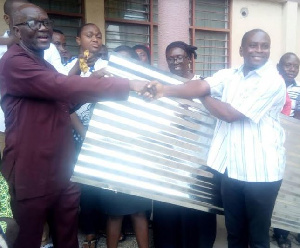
(194, 28)
(151, 24)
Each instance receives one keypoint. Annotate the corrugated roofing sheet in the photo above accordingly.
(158, 150)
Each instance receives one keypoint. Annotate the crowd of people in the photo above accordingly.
(48, 99)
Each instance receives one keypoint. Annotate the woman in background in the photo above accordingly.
(175, 226)
(118, 205)
(143, 53)
(89, 38)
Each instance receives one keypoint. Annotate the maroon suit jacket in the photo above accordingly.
(39, 154)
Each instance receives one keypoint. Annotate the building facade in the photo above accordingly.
(214, 26)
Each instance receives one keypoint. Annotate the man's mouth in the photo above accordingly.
(44, 38)
(177, 67)
(291, 75)
(257, 57)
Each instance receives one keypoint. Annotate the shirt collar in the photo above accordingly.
(70, 60)
(292, 83)
(259, 71)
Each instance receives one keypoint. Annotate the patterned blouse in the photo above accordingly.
(5, 209)
(86, 110)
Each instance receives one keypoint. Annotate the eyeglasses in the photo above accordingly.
(178, 58)
(36, 25)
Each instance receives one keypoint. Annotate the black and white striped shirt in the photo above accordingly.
(251, 148)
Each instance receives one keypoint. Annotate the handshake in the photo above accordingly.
(154, 90)
(147, 90)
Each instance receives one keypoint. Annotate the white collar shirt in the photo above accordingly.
(99, 64)
(3, 48)
(52, 56)
(251, 149)
(84, 111)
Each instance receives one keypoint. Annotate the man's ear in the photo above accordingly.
(78, 41)
(241, 51)
(17, 32)
(6, 19)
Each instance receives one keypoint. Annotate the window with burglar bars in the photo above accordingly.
(68, 16)
(132, 22)
(210, 32)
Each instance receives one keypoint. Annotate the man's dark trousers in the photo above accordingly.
(248, 208)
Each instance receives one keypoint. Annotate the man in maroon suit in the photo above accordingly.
(39, 155)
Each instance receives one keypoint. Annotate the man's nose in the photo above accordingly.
(259, 48)
(293, 68)
(62, 49)
(176, 61)
(94, 38)
(43, 26)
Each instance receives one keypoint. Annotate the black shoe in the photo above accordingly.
(283, 242)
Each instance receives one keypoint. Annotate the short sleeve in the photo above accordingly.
(217, 81)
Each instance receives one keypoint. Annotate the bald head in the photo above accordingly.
(25, 12)
(10, 6)
(287, 56)
(288, 67)
(252, 32)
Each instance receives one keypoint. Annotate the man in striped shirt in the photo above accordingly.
(288, 68)
(247, 147)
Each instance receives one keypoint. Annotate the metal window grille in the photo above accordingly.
(210, 32)
(125, 34)
(132, 22)
(212, 52)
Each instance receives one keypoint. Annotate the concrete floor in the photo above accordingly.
(220, 242)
